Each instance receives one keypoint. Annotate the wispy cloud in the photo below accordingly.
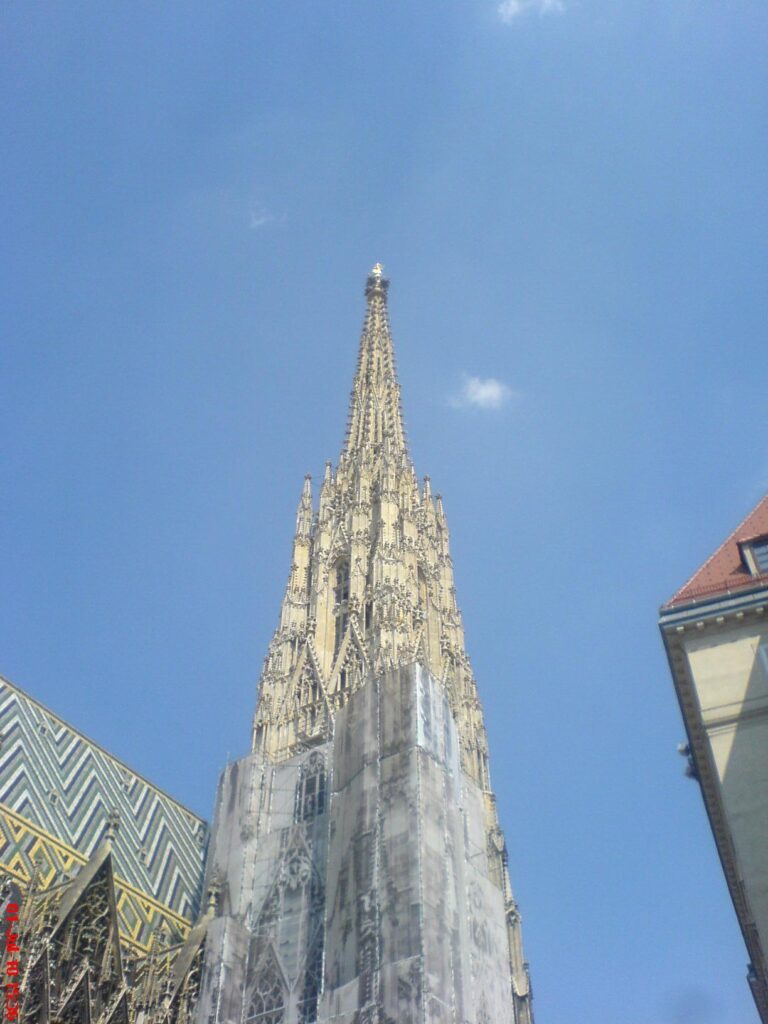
(483, 393)
(258, 216)
(510, 10)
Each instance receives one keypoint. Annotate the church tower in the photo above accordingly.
(359, 867)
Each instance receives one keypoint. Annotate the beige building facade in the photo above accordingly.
(715, 631)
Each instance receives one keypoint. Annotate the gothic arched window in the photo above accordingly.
(310, 789)
(341, 601)
(309, 689)
(341, 581)
(267, 1004)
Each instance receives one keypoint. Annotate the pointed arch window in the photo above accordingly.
(267, 1005)
(341, 581)
(310, 790)
(341, 601)
(309, 690)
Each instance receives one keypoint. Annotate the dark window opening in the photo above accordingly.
(310, 790)
(760, 552)
(341, 596)
(341, 585)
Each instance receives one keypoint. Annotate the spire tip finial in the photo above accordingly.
(376, 284)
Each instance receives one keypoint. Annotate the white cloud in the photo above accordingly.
(258, 216)
(483, 393)
(508, 10)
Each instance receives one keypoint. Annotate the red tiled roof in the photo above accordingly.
(725, 571)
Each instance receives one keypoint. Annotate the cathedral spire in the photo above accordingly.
(375, 416)
(369, 720)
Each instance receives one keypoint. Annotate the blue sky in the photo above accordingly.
(569, 198)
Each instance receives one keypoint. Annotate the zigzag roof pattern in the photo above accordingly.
(67, 786)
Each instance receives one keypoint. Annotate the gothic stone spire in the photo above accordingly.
(375, 417)
(364, 870)
(371, 583)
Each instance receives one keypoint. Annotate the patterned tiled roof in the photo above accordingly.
(57, 791)
(726, 571)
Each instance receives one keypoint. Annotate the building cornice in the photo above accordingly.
(717, 611)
